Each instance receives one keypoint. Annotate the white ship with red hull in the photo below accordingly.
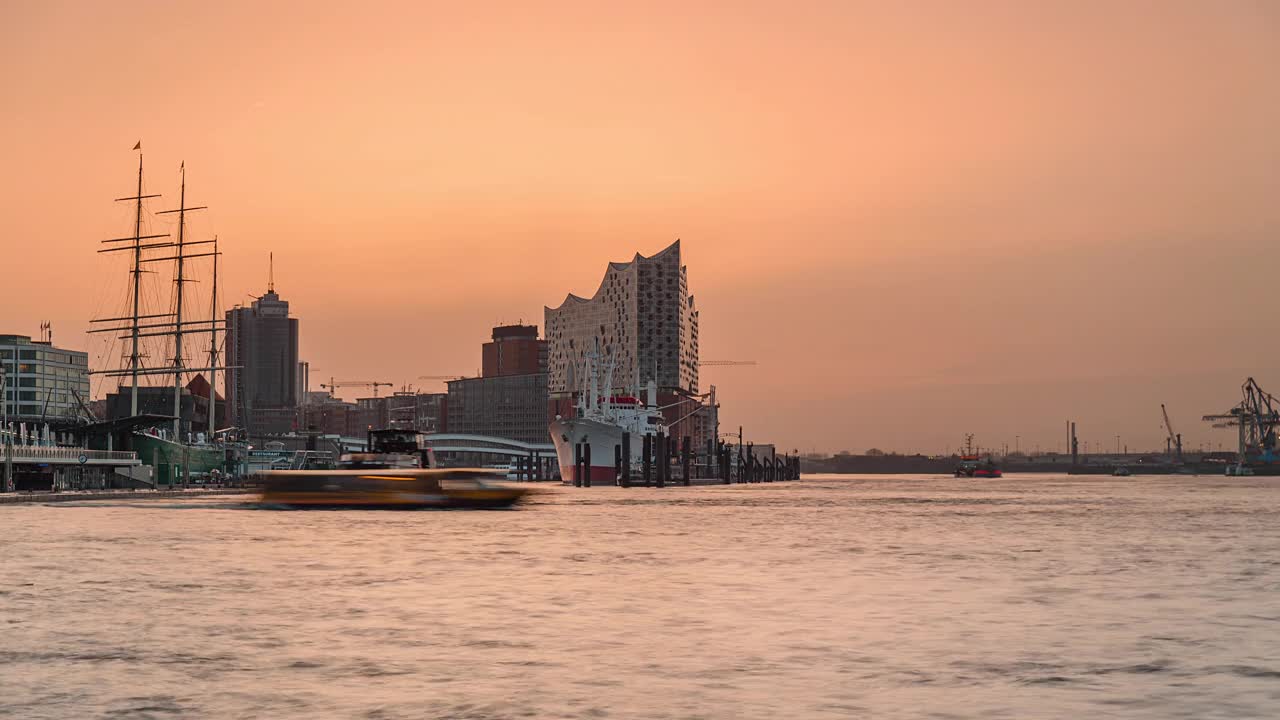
(602, 417)
(602, 431)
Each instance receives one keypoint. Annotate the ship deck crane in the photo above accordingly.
(1174, 440)
(335, 384)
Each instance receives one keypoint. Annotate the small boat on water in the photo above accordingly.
(369, 481)
(975, 467)
(1121, 471)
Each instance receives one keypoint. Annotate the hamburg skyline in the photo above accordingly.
(992, 222)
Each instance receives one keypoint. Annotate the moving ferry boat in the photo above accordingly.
(368, 481)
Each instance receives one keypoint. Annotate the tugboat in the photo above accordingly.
(972, 465)
(987, 469)
(975, 467)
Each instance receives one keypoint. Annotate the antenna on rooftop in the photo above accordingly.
(271, 272)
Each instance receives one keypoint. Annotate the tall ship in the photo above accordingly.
(150, 425)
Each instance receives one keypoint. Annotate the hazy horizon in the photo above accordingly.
(920, 219)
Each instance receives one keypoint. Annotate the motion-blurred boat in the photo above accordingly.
(368, 482)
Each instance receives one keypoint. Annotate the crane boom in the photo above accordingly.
(1174, 441)
(1257, 417)
(335, 384)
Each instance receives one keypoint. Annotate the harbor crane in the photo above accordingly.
(1257, 417)
(442, 378)
(335, 384)
(1174, 441)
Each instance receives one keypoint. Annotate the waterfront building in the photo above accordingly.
(262, 358)
(331, 416)
(509, 399)
(375, 412)
(506, 406)
(42, 381)
(431, 412)
(193, 404)
(643, 319)
(303, 379)
(425, 412)
(407, 410)
(514, 350)
(199, 389)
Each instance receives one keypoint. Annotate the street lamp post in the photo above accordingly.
(8, 436)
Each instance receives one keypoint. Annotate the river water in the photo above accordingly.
(833, 597)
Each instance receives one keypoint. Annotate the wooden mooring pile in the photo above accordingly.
(663, 458)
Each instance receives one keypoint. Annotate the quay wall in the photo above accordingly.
(48, 497)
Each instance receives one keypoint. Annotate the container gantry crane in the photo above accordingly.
(1257, 417)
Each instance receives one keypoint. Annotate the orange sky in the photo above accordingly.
(921, 218)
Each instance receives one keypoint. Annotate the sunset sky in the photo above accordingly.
(921, 218)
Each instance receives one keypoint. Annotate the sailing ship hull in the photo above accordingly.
(168, 458)
(602, 438)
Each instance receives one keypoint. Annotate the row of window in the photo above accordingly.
(49, 356)
(39, 408)
(58, 397)
(42, 369)
(49, 383)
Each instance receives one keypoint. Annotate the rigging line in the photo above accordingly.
(106, 348)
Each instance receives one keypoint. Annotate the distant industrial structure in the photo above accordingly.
(1257, 420)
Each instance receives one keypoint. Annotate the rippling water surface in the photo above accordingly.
(881, 597)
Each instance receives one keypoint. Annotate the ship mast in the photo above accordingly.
(137, 285)
(136, 246)
(168, 324)
(213, 341)
(180, 280)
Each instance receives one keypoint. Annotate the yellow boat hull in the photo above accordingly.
(386, 489)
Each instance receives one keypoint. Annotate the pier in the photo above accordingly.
(85, 496)
(664, 460)
(49, 467)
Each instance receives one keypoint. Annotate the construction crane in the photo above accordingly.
(335, 384)
(1257, 418)
(443, 378)
(722, 363)
(1174, 441)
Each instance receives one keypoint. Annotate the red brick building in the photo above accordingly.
(515, 350)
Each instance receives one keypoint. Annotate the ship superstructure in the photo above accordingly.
(603, 414)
